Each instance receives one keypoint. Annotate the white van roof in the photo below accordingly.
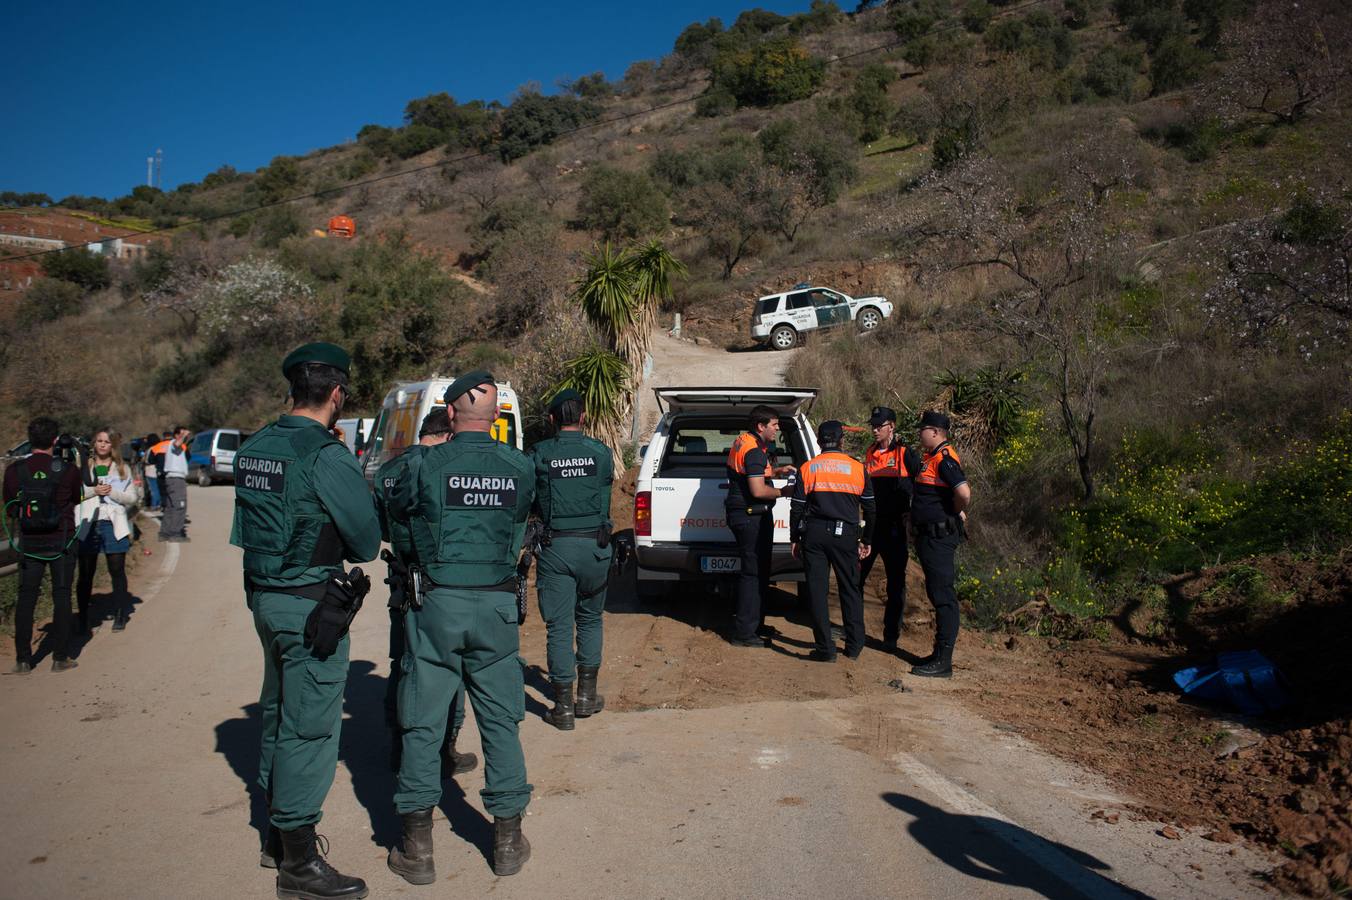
(786, 400)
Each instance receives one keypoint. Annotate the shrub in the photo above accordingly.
(376, 138)
(976, 16)
(1176, 63)
(621, 205)
(770, 73)
(696, 42)
(868, 100)
(534, 120)
(412, 140)
(78, 266)
(820, 16)
(255, 300)
(1111, 73)
(715, 103)
(49, 299)
(278, 180)
(277, 224)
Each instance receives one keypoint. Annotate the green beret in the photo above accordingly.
(465, 383)
(563, 397)
(318, 352)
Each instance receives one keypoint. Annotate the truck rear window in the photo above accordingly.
(697, 445)
(767, 305)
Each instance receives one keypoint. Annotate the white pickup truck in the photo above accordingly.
(680, 528)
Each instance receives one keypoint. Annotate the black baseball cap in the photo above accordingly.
(880, 415)
(830, 433)
(932, 418)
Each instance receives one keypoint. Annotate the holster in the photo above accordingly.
(397, 577)
(334, 611)
(603, 532)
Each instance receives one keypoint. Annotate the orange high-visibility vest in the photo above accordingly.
(929, 469)
(889, 463)
(833, 472)
(745, 443)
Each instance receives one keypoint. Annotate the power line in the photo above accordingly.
(203, 220)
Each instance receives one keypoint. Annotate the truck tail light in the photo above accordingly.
(643, 514)
(213, 460)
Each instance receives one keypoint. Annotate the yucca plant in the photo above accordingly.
(603, 380)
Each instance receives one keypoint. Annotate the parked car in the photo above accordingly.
(781, 320)
(211, 455)
(681, 532)
(405, 406)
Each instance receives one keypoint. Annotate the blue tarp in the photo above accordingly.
(1247, 681)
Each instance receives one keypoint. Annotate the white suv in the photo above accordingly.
(781, 319)
(680, 529)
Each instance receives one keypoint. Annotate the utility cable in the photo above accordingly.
(203, 220)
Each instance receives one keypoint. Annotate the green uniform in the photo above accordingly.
(393, 498)
(472, 498)
(301, 509)
(573, 478)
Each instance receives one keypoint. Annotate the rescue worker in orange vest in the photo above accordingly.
(891, 465)
(938, 518)
(832, 492)
(750, 505)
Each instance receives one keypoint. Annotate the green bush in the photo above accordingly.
(976, 16)
(278, 180)
(1176, 63)
(1309, 223)
(1168, 505)
(768, 74)
(78, 266)
(621, 205)
(189, 369)
(1111, 73)
(412, 140)
(49, 299)
(868, 100)
(277, 224)
(534, 120)
(1197, 138)
(1045, 42)
(820, 16)
(714, 103)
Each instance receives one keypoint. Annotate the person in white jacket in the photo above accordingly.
(107, 508)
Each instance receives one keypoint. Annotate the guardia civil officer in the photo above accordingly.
(393, 498)
(573, 478)
(891, 465)
(301, 509)
(749, 505)
(472, 498)
(832, 494)
(938, 516)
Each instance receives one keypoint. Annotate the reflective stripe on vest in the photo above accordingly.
(889, 463)
(745, 443)
(929, 468)
(833, 472)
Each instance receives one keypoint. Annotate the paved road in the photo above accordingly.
(129, 777)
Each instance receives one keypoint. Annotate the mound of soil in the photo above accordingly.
(1282, 782)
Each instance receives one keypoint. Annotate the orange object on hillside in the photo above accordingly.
(343, 227)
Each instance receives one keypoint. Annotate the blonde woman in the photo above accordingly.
(107, 507)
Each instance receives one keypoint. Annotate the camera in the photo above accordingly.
(67, 448)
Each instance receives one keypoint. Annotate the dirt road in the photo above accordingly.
(131, 775)
(680, 363)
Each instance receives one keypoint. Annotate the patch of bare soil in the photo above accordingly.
(1283, 782)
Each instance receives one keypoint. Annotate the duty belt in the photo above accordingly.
(951, 525)
(573, 532)
(508, 586)
(314, 591)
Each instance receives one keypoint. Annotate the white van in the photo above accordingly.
(680, 528)
(405, 406)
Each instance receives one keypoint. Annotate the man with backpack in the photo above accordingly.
(41, 492)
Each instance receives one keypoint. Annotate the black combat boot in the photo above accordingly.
(940, 665)
(414, 863)
(561, 716)
(453, 763)
(589, 703)
(510, 847)
(306, 874)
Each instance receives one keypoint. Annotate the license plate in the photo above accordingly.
(717, 565)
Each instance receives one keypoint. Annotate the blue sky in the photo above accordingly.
(93, 88)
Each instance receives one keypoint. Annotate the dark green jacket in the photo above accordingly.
(573, 479)
(393, 495)
(473, 497)
(301, 505)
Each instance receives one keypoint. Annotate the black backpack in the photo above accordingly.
(38, 512)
